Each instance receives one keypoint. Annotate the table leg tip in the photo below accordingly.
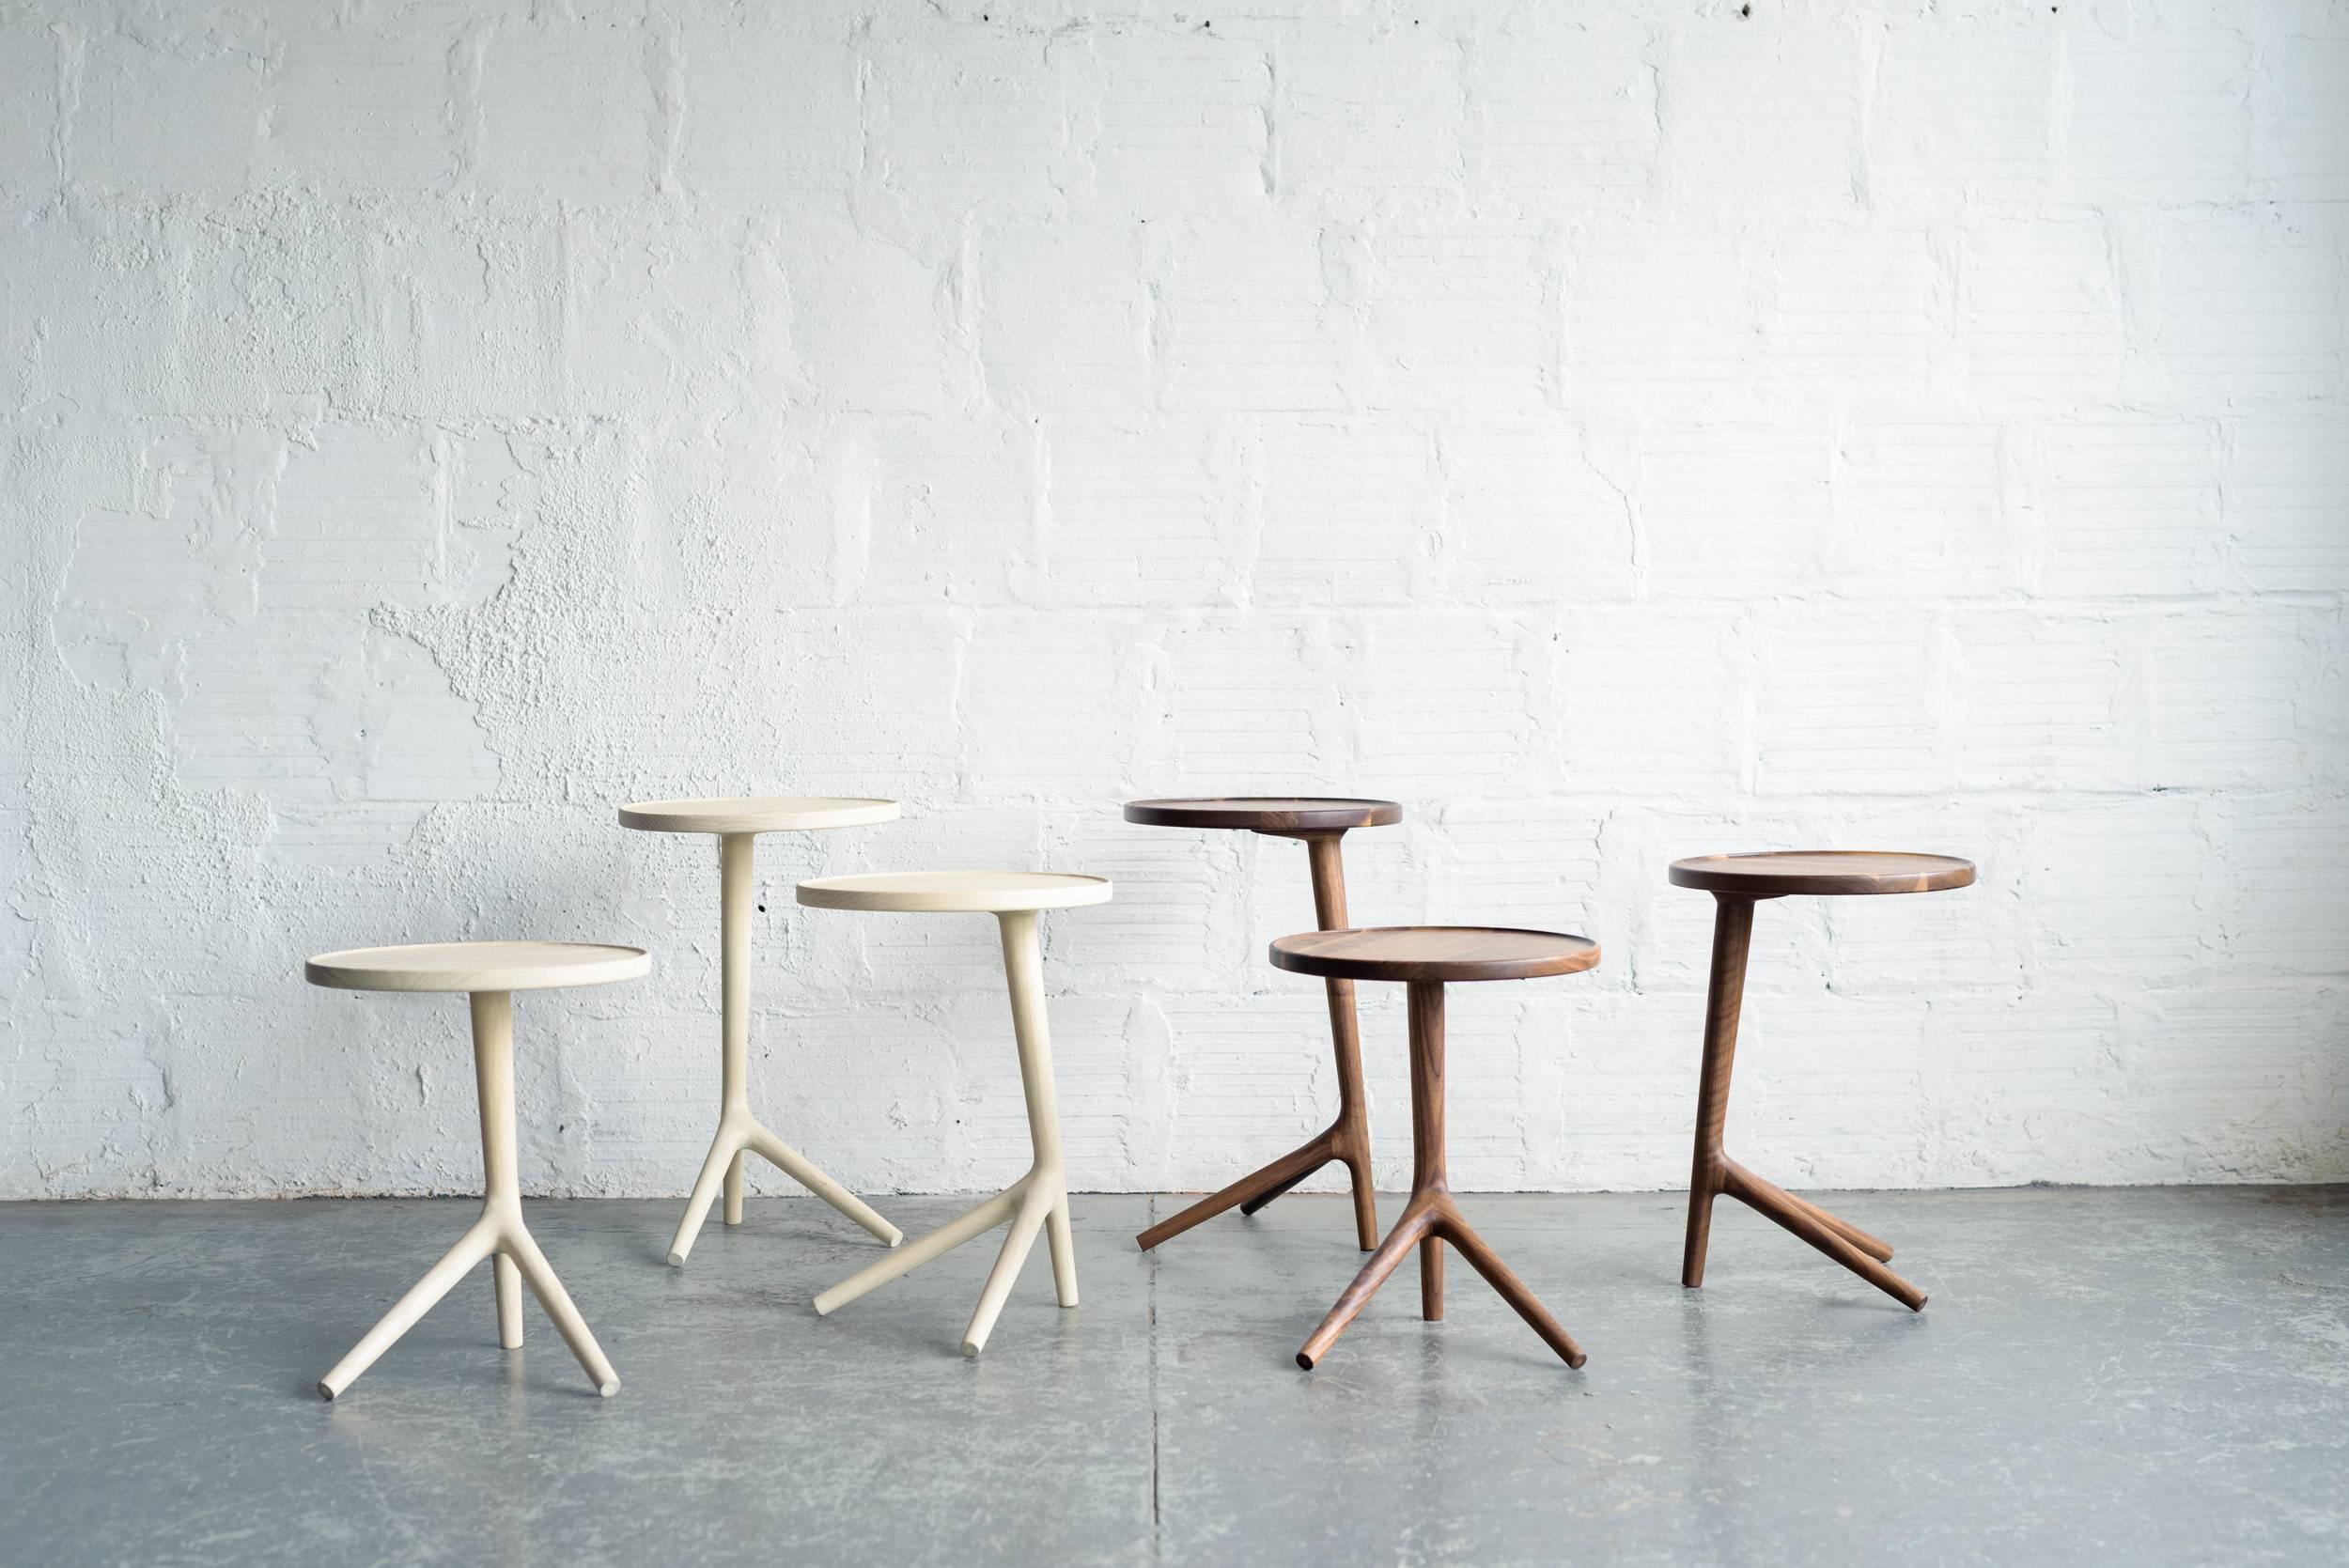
(971, 1349)
(608, 1388)
(1304, 1360)
(326, 1392)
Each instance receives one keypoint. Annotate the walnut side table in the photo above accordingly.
(1426, 958)
(1737, 882)
(1320, 822)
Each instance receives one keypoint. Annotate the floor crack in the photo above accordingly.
(1157, 1542)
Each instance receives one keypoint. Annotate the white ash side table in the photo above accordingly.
(490, 973)
(1040, 1200)
(738, 822)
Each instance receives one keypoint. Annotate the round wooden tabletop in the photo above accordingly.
(477, 967)
(755, 814)
(956, 891)
(1773, 874)
(1433, 953)
(1266, 814)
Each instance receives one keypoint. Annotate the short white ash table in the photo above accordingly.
(737, 821)
(490, 973)
(1040, 1200)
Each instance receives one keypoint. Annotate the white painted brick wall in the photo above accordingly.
(1619, 433)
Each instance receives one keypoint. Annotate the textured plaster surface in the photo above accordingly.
(2138, 1375)
(1615, 432)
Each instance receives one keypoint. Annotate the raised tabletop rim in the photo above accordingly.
(902, 893)
(1721, 873)
(1304, 813)
(581, 964)
(753, 813)
(1584, 954)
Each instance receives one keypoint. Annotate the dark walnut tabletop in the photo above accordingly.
(1266, 814)
(1433, 953)
(1775, 874)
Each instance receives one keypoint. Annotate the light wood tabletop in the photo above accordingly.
(755, 814)
(954, 891)
(477, 967)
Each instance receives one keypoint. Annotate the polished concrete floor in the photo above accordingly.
(2148, 1376)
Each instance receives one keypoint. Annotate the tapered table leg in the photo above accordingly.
(1266, 1184)
(1770, 1193)
(736, 894)
(1385, 1260)
(1432, 1218)
(738, 1129)
(1713, 1174)
(498, 1234)
(459, 1261)
(1038, 1202)
(1805, 1222)
(1725, 984)
(1348, 1138)
(509, 1294)
(724, 1157)
(974, 1221)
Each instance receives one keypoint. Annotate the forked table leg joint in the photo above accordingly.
(1252, 1192)
(1347, 1139)
(1432, 1218)
(1037, 1202)
(1713, 1174)
(739, 1132)
(1848, 1245)
(498, 1233)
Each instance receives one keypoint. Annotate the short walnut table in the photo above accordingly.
(1040, 1200)
(1427, 957)
(1737, 882)
(738, 822)
(1320, 823)
(490, 973)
